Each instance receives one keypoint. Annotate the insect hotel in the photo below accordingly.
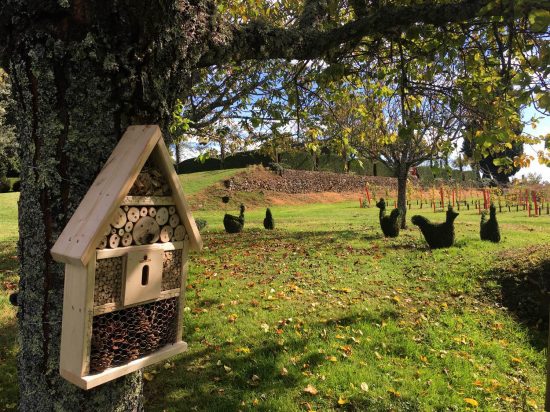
(125, 252)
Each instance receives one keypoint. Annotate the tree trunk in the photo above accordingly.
(80, 75)
(178, 152)
(402, 172)
(222, 154)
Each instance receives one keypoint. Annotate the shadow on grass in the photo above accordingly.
(522, 285)
(224, 378)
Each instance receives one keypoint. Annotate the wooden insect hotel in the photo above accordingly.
(125, 252)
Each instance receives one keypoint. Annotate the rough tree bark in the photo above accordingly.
(82, 73)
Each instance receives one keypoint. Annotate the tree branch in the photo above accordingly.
(259, 40)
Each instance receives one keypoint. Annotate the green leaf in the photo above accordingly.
(539, 19)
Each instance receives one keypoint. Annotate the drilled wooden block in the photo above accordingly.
(108, 281)
(171, 271)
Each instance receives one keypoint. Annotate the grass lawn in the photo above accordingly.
(195, 182)
(323, 313)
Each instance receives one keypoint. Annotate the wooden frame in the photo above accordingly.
(77, 247)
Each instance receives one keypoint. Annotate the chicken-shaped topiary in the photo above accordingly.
(269, 222)
(438, 235)
(234, 224)
(488, 229)
(389, 224)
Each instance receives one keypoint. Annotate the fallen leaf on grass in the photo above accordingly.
(148, 376)
(284, 371)
(532, 403)
(311, 390)
(471, 401)
(364, 387)
(342, 401)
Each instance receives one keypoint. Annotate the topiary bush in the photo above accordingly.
(269, 222)
(16, 187)
(5, 185)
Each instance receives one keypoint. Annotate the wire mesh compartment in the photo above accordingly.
(171, 271)
(125, 335)
(108, 281)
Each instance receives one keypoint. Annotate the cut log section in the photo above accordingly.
(171, 210)
(133, 214)
(119, 219)
(127, 239)
(114, 241)
(146, 231)
(128, 227)
(174, 220)
(162, 216)
(152, 212)
(121, 232)
(179, 233)
(143, 211)
(102, 243)
(166, 234)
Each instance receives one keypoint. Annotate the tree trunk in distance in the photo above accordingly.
(402, 175)
(81, 72)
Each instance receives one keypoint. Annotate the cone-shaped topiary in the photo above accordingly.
(234, 224)
(438, 235)
(389, 224)
(269, 222)
(488, 229)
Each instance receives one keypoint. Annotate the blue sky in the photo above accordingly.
(542, 128)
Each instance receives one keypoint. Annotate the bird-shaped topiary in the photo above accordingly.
(438, 235)
(234, 224)
(488, 229)
(389, 224)
(269, 222)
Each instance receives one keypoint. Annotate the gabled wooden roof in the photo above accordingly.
(79, 239)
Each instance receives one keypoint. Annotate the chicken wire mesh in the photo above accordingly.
(125, 335)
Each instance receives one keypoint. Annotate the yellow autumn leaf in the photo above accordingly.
(342, 401)
(516, 360)
(532, 403)
(364, 387)
(332, 358)
(471, 401)
(148, 376)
